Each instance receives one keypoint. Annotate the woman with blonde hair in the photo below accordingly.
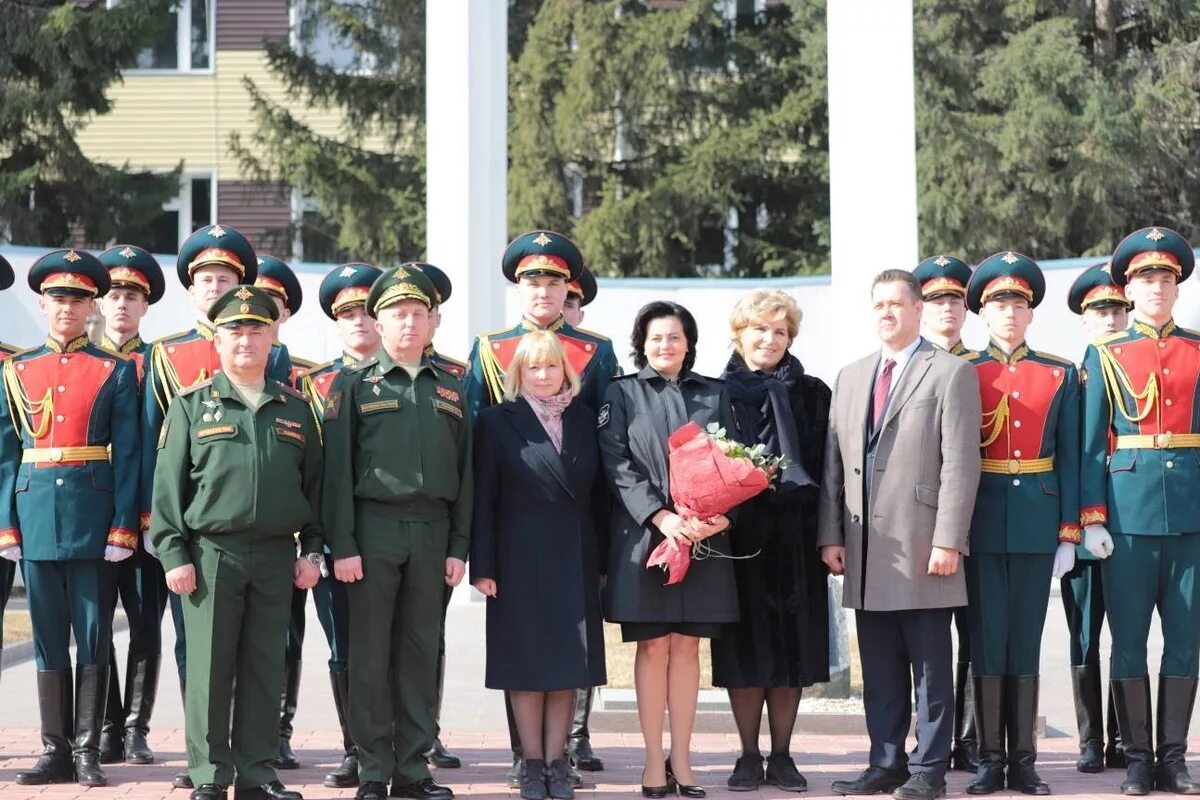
(781, 643)
(540, 512)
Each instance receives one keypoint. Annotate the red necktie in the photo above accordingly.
(883, 385)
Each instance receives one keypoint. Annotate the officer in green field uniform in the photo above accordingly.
(8, 568)
(1102, 305)
(437, 754)
(1026, 521)
(1140, 397)
(136, 284)
(398, 514)
(68, 476)
(238, 473)
(944, 282)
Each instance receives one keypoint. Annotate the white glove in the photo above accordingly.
(11, 553)
(1064, 559)
(148, 545)
(113, 554)
(1097, 541)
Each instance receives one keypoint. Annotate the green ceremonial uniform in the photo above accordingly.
(232, 486)
(398, 494)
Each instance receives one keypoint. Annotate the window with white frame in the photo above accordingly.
(194, 207)
(186, 42)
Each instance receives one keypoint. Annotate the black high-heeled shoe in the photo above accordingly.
(685, 790)
(655, 792)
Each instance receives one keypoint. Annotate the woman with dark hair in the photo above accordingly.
(667, 622)
(781, 643)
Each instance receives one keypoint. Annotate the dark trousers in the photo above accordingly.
(329, 596)
(8, 571)
(68, 597)
(1083, 604)
(1007, 595)
(1148, 572)
(142, 589)
(176, 603)
(900, 650)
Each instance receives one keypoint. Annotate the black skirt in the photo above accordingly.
(644, 631)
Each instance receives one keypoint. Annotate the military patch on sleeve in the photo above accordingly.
(162, 435)
(215, 430)
(604, 415)
(287, 433)
(333, 405)
(449, 408)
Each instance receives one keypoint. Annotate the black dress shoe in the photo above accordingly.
(582, 756)
(440, 757)
(182, 780)
(285, 757)
(1091, 757)
(873, 780)
(371, 790)
(513, 776)
(685, 790)
(47, 770)
(346, 775)
(424, 789)
(1023, 778)
(137, 751)
(1139, 778)
(112, 746)
(747, 774)
(782, 773)
(655, 792)
(208, 791)
(921, 786)
(268, 791)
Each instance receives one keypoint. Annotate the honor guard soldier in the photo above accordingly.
(343, 298)
(1102, 305)
(437, 753)
(1026, 521)
(278, 280)
(1141, 386)
(580, 293)
(69, 473)
(238, 474)
(943, 282)
(398, 518)
(542, 264)
(7, 568)
(136, 283)
(211, 261)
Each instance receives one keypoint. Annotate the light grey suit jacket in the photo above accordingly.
(924, 471)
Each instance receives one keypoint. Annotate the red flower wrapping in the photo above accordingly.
(705, 482)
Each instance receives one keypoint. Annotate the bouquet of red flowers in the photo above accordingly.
(709, 475)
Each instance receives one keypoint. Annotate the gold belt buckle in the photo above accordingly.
(1014, 466)
(56, 454)
(1162, 441)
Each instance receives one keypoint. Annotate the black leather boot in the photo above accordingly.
(112, 736)
(345, 775)
(1132, 699)
(91, 694)
(989, 724)
(55, 690)
(1021, 704)
(182, 780)
(1089, 717)
(1114, 751)
(141, 688)
(964, 756)
(286, 758)
(579, 745)
(1176, 696)
(513, 776)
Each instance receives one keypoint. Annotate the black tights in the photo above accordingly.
(543, 721)
(782, 705)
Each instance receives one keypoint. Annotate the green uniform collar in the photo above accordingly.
(387, 363)
(1021, 352)
(1146, 329)
(78, 343)
(222, 387)
(530, 324)
(133, 344)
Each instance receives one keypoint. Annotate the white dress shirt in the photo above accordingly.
(901, 358)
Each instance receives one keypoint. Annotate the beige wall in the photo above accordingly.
(159, 120)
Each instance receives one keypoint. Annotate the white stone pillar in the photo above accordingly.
(872, 157)
(466, 106)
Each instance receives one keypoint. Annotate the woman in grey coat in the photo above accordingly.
(667, 622)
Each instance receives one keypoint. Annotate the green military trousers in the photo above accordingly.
(395, 628)
(1148, 572)
(1007, 595)
(236, 623)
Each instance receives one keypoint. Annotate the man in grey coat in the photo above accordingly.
(901, 471)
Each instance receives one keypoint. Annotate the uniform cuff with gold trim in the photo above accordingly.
(10, 537)
(144, 521)
(1093, 515)
(1068, 532)
(123, 537)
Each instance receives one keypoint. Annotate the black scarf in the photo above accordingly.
(768, 393)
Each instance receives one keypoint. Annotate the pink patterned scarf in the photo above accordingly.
(549, 412)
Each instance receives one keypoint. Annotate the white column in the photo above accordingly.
(872, 157)
(466, 59)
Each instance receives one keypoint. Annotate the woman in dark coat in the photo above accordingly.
(535, 552)
(781, 643)
(667, 622)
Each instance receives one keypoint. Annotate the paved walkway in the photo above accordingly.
(474, 721)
